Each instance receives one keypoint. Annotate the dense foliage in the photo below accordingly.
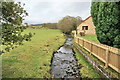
(106, 18)
(12, 17)
(68, 23)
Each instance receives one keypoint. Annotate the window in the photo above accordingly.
(84, 27)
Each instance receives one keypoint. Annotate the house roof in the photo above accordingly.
(85, 20)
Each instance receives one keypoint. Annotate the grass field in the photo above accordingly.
(87, 70)
(32, 60)
(92, 38)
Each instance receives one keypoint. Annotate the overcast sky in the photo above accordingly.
(52, 11)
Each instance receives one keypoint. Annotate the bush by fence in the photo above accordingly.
(109, 55)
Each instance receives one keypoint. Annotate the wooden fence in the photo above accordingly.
(109, 55)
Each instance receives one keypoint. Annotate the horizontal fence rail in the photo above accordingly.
(109, 55)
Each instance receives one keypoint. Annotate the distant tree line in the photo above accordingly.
(66, 25)
(50, 25)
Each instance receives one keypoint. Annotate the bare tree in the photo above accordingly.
(68, 23)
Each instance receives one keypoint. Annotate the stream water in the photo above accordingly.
(64, 63)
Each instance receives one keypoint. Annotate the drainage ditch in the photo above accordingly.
(64, 64)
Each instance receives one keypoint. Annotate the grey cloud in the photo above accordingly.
(42, 12)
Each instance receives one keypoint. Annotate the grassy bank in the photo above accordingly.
(86, 70)
(92, 38)
(32, 60)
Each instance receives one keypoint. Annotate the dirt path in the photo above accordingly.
(64, 64)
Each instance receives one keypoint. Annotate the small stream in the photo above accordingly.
(64, 63)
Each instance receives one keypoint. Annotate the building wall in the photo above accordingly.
(89, 23)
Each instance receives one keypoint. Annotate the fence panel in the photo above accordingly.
(94, 49)
(87, 45)
(102, 53)
(80, 41)
(114, 60)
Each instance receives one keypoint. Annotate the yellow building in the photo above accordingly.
(86, 26)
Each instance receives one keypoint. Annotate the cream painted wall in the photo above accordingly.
(89, 23)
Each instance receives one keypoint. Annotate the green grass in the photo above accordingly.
(32, 60)
(87, 71)
(92, 38)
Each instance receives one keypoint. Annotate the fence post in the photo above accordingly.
(91, 46)
(75, 33)
(74, 39)
(83, 43)
(75, 36)
(78, 40)
(107, 55)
